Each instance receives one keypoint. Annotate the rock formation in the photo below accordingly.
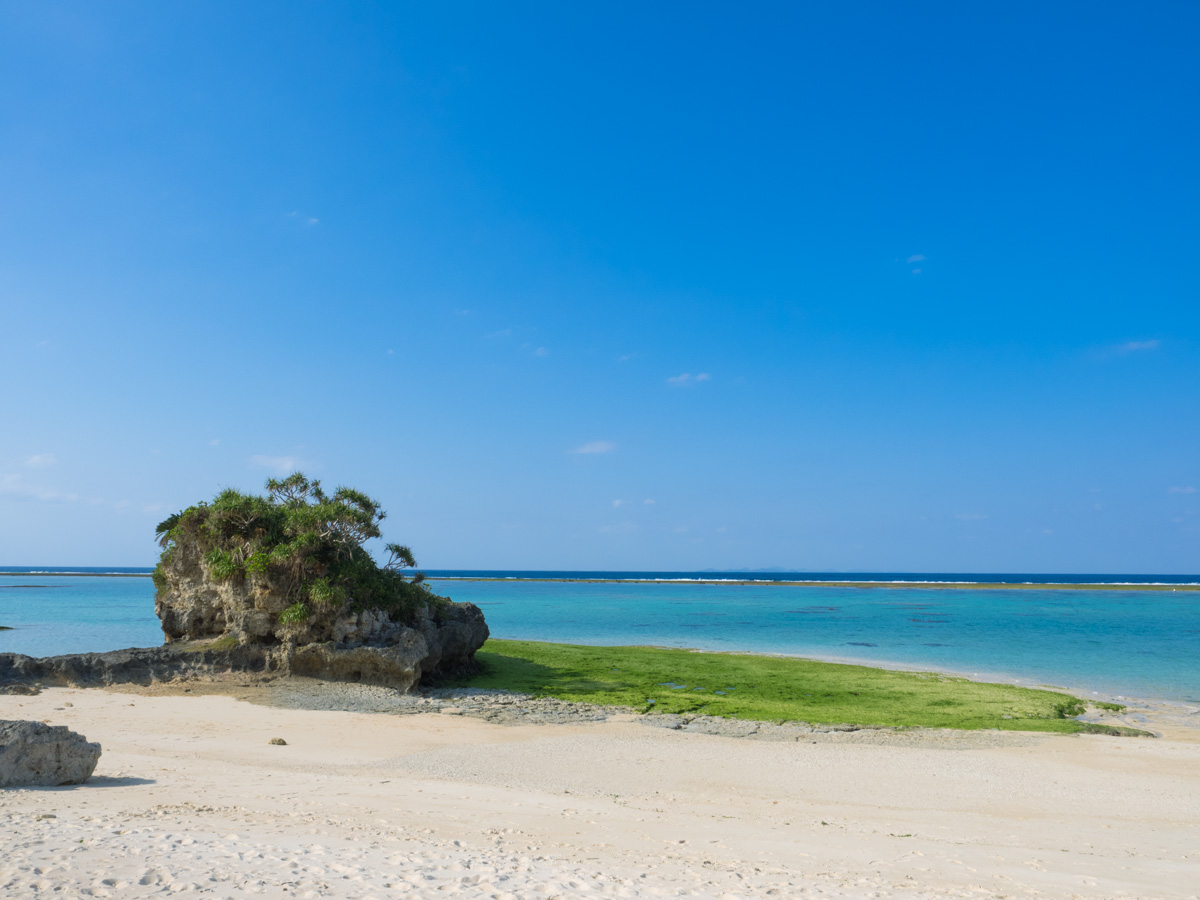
(280, 584)
(435, 636)
(32, 753)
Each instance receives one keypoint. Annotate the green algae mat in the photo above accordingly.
(770, 689)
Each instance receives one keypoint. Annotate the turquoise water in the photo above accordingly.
(50, 615)
(1117, 642)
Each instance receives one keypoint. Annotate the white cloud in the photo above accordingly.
(687, 379)
(1136, 346)
(153, 508)
(307, 221)
(40, 460)
(916, 257)
(680, 529)
(648, 502)
(971, 517)
(497, 335)
(626, 357)
(541, 351)
(215, 442)
(1182, 490)
(917, 271)
(618, 503)
(595, 447)
(284, 465)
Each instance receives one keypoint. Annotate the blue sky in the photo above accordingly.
(610, 286)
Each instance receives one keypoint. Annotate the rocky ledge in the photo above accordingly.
(397, 658)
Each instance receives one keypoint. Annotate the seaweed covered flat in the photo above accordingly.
(770, 689)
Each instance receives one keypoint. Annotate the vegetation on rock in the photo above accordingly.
(307, 543)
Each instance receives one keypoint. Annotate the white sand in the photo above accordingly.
(189, 797)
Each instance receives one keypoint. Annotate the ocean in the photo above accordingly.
(1121, 642)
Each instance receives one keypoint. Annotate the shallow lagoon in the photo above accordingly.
(1120, 643)
(1136, 643)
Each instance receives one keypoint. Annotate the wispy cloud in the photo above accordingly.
(971, 517)
(1137, 346)
(541, 351)
(497, 335)
(916, 257)
(305, 220)
(595, 447)
(215, 442)
(687, 379)
(40, 460)
(284, 465)
(617, 504)
(648, 502)
(1184, 489)
(17, 487)
(626, 357)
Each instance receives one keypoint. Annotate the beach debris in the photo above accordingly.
(34, 753)
(277, 742)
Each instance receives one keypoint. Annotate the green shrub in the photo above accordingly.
(257, 563)
(159, 577)
(221, 565)
(295, 614)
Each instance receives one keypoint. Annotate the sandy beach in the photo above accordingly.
(190, 797)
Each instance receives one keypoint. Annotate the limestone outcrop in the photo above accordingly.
(434, 636)
(33, 753)
(281, 585)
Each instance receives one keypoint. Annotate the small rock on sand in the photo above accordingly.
(34, 753)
